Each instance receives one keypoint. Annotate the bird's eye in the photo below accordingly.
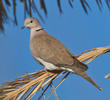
(31, 21)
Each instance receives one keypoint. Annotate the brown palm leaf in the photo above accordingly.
(33, 6)
(29, 84)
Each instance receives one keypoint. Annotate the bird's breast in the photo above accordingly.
(34, 46)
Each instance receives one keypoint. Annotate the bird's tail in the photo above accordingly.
(85, 76)
(85, 67)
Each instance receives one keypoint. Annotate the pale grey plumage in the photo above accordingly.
(52, 53)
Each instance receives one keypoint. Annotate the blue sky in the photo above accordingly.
(77, 31)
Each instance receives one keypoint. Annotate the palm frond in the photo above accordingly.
(99, 3)
(29, 84)
(59, 6)
(30, 5)
(43, 6)
(108, 3)
(107, 76)
(3, 15)
(14, 11)
(85, 5)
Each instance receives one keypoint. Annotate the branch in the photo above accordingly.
(19, 88)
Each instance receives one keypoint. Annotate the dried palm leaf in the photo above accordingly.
(84, 4)
(59, 6)
(14, 11)
(7, 2)
(70, 3)
(108, 3)
(29, 4)
(42, 3)
(107, 76)
(99, 3)
(29, 84)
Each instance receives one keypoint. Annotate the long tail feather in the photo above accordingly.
(85, 76)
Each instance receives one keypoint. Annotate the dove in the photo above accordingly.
(51, 53)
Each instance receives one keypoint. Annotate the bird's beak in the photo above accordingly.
(22, 27)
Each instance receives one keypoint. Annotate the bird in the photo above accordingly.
(51, 53)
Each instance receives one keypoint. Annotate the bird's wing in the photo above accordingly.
(51, 50)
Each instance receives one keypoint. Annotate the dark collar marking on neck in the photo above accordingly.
(39, 29)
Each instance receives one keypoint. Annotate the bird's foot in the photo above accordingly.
(45, 69)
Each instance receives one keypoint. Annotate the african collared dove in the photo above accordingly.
(51, 53)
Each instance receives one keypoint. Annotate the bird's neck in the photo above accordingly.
(36, 31)
(36, 28)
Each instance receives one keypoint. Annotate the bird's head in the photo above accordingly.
(31, 23)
